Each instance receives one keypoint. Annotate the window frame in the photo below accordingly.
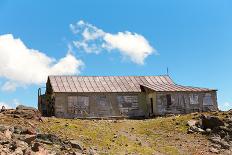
(193, 99)
(123, 100)
(77, 107)
(209, 96)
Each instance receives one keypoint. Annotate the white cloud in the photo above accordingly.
(130, 45)
(22, 66)
(94, 40)
(9, 86)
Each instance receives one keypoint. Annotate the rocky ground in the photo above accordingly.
(218, 131)
(24, 131)
(24, 138)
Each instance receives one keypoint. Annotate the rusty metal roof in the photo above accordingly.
(175, 87)
(115, 84)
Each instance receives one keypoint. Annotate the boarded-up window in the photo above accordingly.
(127, 103)
(58, 105)
(78, 104)
(103, 105)
(102, 101)
(207, 100)
(193, 98)
(71, 101)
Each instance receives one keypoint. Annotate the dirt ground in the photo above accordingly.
(162, 135)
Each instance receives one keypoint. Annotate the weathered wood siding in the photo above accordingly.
(100, 105)
(182, 102)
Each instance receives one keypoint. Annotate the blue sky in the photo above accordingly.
(191, 37)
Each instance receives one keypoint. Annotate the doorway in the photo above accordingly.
(169, 100)
(151, 102)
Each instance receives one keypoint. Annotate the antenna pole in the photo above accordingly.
(167, 71)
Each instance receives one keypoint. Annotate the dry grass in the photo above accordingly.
(163, 135)
(151, 136)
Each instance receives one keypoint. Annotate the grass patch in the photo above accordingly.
(132, 136)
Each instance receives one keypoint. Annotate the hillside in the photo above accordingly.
(162, 135)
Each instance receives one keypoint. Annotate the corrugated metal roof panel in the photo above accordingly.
(174, 87)
(116, 84)
(134, 81)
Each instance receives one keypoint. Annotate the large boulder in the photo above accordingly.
(49, 138)
(192, 122)
(76, 144)
(23, 107)
(23, 112)
(210, 122)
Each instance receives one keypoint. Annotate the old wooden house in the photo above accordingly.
(122, 96)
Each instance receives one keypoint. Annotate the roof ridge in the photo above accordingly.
(107, 75)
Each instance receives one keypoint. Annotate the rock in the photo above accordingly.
(74, 153)
(218, 140)
(226, 129)
(21, 130)
(208, 130)
(18, 151)
(215, 139)
(29, 131)
(214, 150)
(217, 146)
(35, 147)
(23, 113)
(3, 142)
(49, 138)
(18, 129)
(19, 140)
(115, 136)
(3, 128)
(42, 151)
(28, 151)
(29, 138)
(76, 144)
(224, 144)
(21, 144)
(8, 134)
(210, 122)
(190, 131)
(92, 152)
(196, 129)
(227, 152)
(222, 133)
(23, 107)
(3, 108)
(192, 122)
(16, 116)
(13, 146)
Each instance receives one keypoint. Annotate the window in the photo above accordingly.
(193, 98)
(103, 105)
(71, 102)
(127, 103)
(169, 100)
(102, 101)
(207, 100)
(78, 104)
(58, 105)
